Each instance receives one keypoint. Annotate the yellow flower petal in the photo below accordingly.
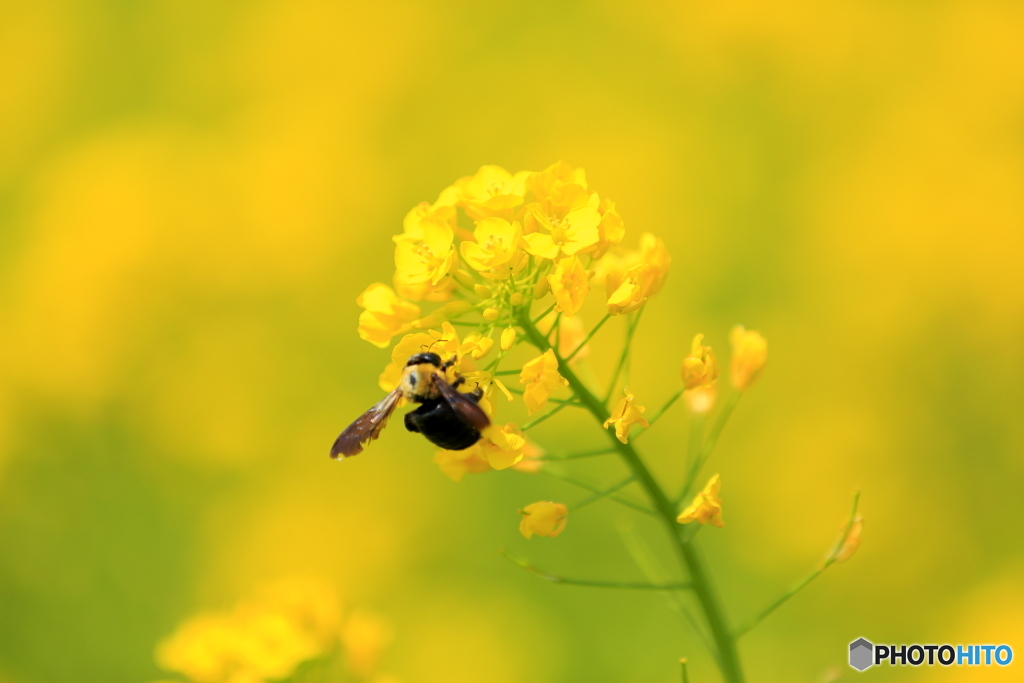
(626, 414)
(543, 519)
(749, 355)
(706, 507)
(386, 314)
(540, 377)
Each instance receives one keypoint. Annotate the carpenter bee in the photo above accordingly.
(447, 417)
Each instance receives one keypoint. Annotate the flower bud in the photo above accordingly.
(491, 314)
(543, 518)
(541, 289)
(516, 299)
(508, 338)
(464, 278)
(749, 354)
(482, 291)
(700, 368)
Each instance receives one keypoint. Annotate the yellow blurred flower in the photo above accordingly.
(424, 256)
(559, 189)
(364, 637)
(701, 400)
(626, 414)
(851, 541)
(476, 347)
(700, 368)
(653, 252)
(611, 229)
(492, 191)
(749, 355)
(497, 242)
(632, 279)
(543, 519)
(531, 462)
(540, 377)
(457, 464)
(386, 314)
(552, 237)
(502, 445)
(259, 640)
(452, 309)
(706, 507)
(570, 283)
(633, 290)
(508, 338)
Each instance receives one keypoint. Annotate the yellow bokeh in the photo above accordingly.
(193, 196)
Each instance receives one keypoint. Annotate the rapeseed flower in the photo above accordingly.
(496, 247)
(749, 355)
(424, 258)
(540, 377)
(552, 237)
(570, 283)
(626, 414)
(700, 368)
(491, 191)
(543, 519)
(385, 315)
(706, 507)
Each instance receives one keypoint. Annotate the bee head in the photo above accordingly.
(428, 357)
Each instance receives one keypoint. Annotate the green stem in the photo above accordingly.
(595, 584)
(593, 489)
(575, 456)
(657, 416)
(546, 415)
(810, 577)
(709, 445)
(604, 494)
(625, 355)
(686, 675)
(665, 510)
(542, 315)
(587, 338)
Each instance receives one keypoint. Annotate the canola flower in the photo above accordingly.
(271, 635)
(518, 263)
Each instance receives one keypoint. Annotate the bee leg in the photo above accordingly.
(476, 394)
(448, 363)
(458, 383)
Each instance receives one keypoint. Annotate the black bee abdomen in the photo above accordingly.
(438, 421)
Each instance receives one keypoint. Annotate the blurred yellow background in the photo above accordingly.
(193, 194)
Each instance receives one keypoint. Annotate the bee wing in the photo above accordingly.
(367, 427)
(462, 404)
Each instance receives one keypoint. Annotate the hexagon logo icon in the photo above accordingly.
(861, 654)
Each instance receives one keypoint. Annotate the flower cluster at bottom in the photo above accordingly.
(287, 626)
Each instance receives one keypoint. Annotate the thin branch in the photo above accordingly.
(576, 456)
(829, 561)
(545, 416)
(709, 445)
(603, 494)
(625, 354)
(657, 416)
(594, 584)
(588, 337)
(593, 489)
(542, 315)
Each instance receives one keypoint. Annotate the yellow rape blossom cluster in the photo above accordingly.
(502, 262)
(270, 635)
